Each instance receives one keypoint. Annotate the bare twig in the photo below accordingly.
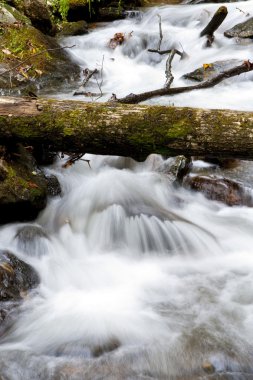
(162, 52)
(240, 10)
(160, 32)
(87, 75)
(102, 79)
(168, 73)
(33, 56)
(237, 70)
(73, 158)
(86, 93)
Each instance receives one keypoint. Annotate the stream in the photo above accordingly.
(140, 279)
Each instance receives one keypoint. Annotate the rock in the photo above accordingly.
(76, 28)
(242, 30)
(37, 11)
(53, 186)
(3, 170)
(49, 69)
(32, 240)
(16, 277)
(110, 14)
(111, 345)
(175, 168)
(23, 192)
(219, 189)
(10, 15)
(211, 70)
(208, 367)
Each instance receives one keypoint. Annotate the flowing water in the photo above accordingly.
(130, 68)
(139, 279)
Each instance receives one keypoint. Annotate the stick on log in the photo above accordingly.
(126, 130)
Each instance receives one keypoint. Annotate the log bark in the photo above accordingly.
(215, 22)
(126, 130)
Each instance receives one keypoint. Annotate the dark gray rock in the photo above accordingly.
(212, 70)
(38, 12)
(16, 277)
(32, 240)
(53, 186)
(242, 30)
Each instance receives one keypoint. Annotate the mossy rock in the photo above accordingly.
(23, 192)
(45, 65)
(76, 28)
(10, 15)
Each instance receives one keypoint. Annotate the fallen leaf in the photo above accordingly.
(6, 51)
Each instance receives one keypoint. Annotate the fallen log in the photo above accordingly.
(126, 130)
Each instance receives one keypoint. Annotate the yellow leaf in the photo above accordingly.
(39, 72)
(207, 65)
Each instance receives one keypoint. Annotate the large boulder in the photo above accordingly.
(45, 66)
(16, 277)
(219, 189)
(211, 70)
(242, 30)
(23, 190)
(38, 12)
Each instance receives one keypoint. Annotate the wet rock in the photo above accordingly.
(211, 70)
(53, 186)
(47, 69)
(112, 345)
(32, 240)
(16, 277)
(175, 168)
(76, 28)
(219, 189)
(38, 12)
(208, 367)
(242, 30)
(23, 192)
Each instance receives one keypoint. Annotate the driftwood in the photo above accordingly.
(137, 98)
(126, 130)
(214, 24)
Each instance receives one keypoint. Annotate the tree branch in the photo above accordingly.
(136, 98)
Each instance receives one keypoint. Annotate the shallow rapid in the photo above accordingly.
(130, 68)
(137, 279)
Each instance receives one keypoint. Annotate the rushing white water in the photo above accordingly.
(130, 68)
(139, 279)
(162, 276)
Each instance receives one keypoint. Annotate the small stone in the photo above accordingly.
(208, 367)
